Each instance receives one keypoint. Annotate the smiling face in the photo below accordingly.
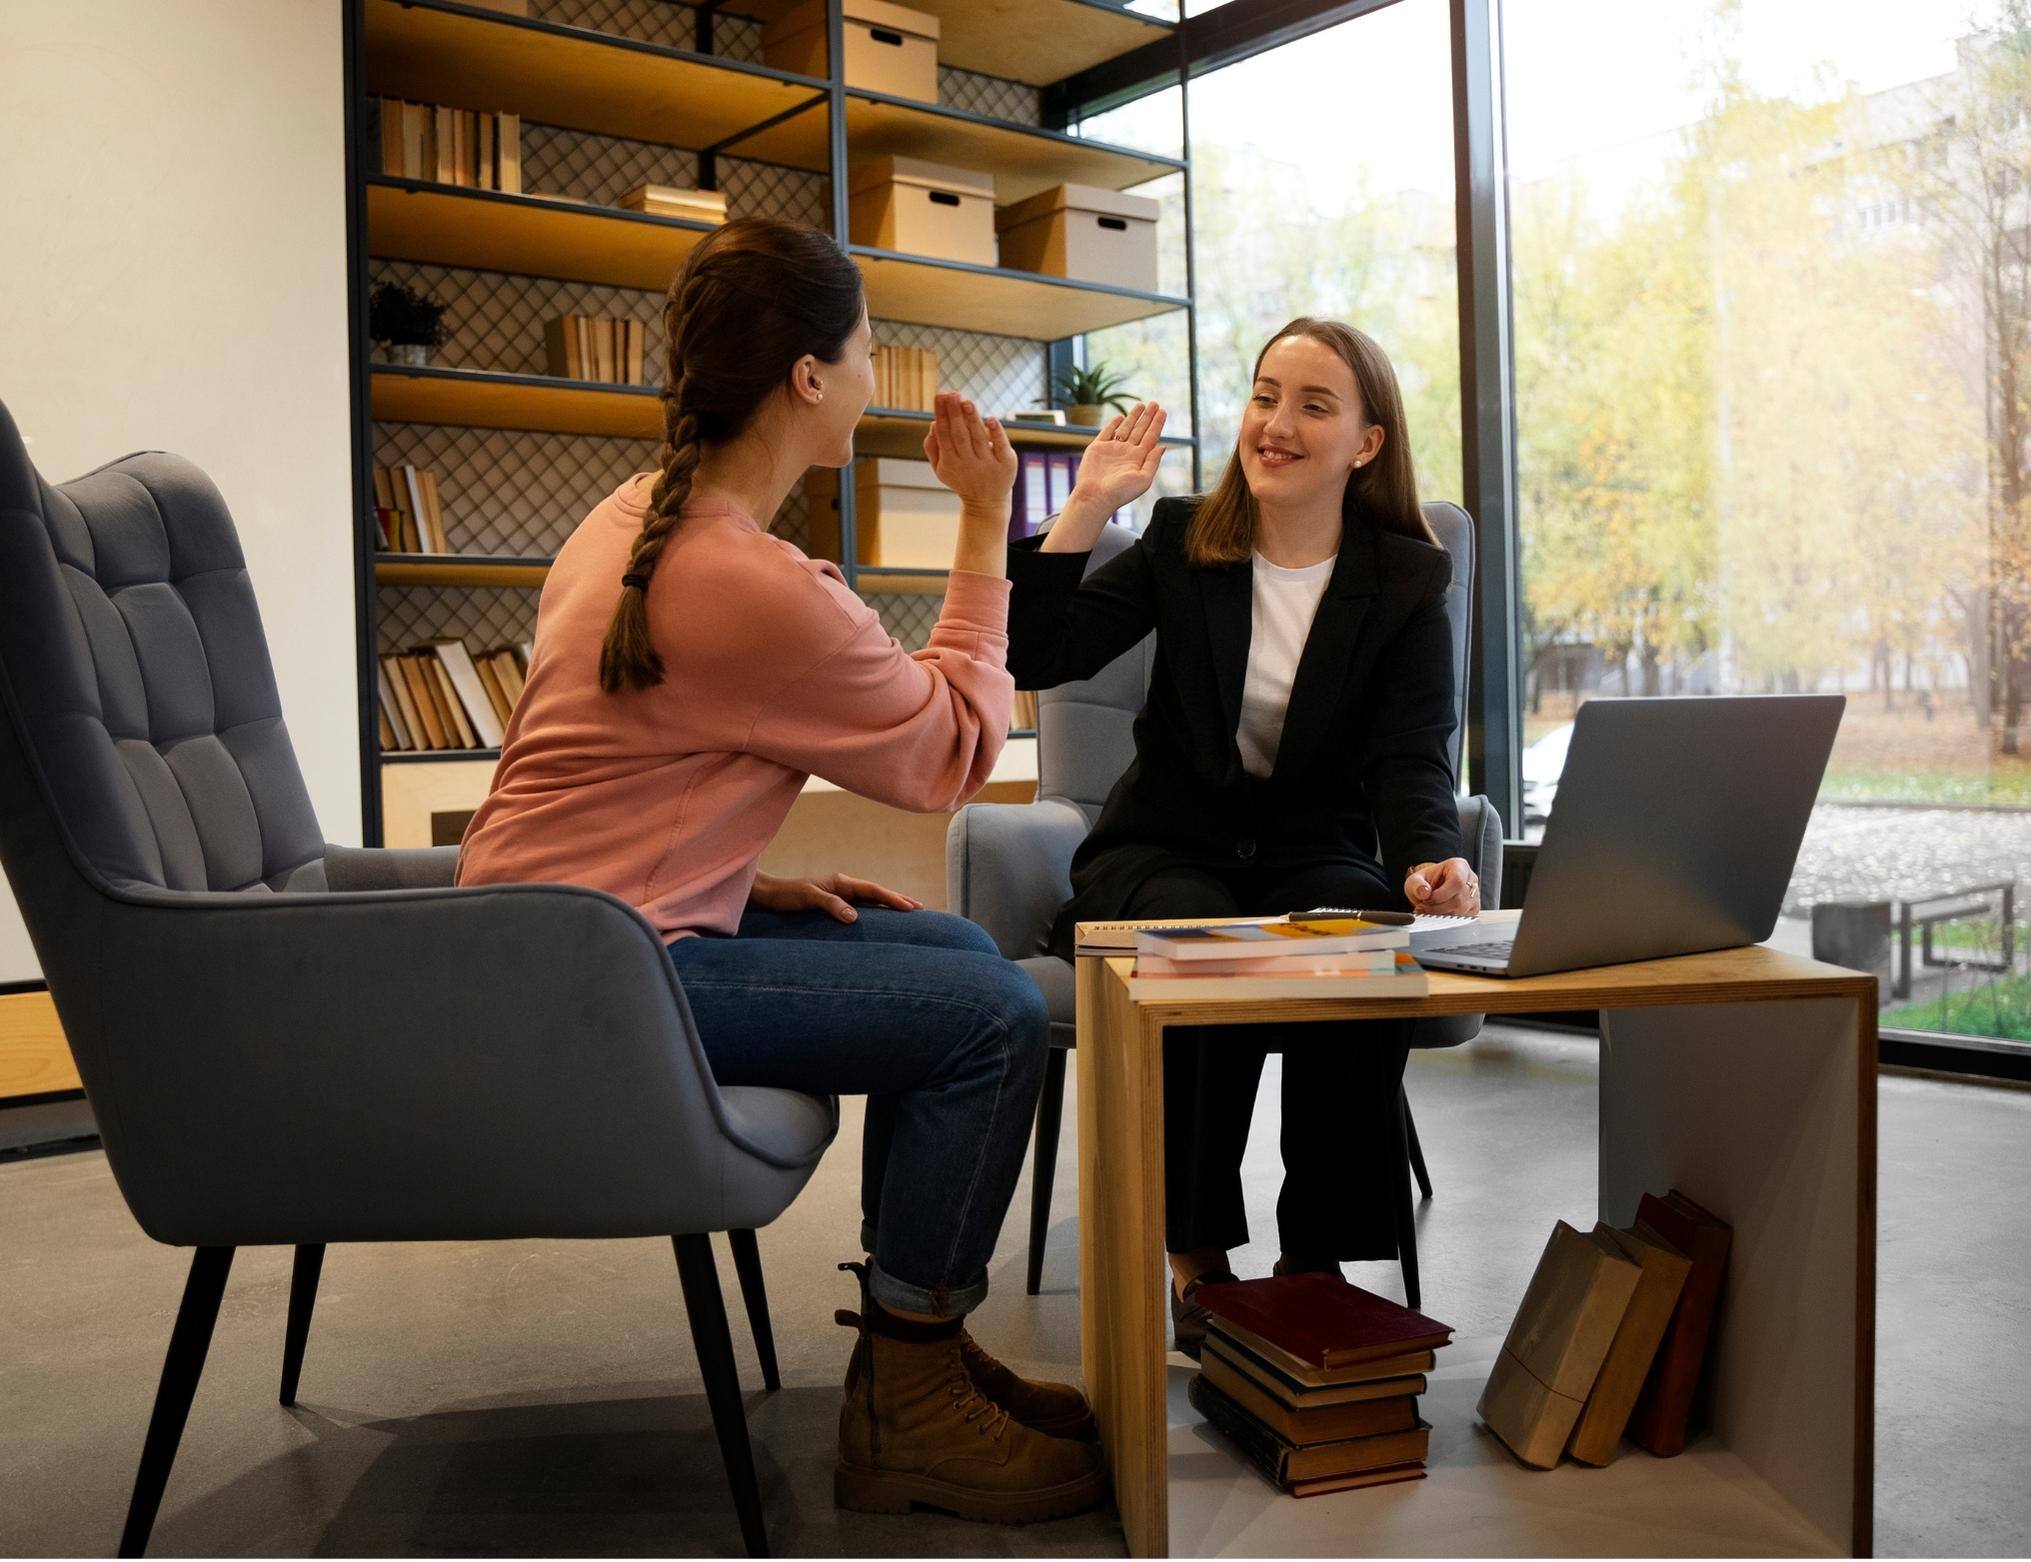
(1304, 428)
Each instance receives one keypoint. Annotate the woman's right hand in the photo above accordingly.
(971, 457)
(1116, 469)
(1121, 463)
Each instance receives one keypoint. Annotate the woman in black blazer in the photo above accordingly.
(1292, 753)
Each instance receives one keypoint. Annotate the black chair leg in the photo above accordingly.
(189, 1340)
(1417, 1154)
(1406, 1215)
(1044, 1164)
(747, 1263)
(709, 1336)
(302, 1298)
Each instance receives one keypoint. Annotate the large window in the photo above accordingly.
(1322, 184)
(1772, 303)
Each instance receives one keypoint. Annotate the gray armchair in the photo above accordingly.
(289, 1042)
(1008, 865)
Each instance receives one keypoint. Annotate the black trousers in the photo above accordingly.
(1341, 1081)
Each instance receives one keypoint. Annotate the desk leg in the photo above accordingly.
(1766, 1114)
(1121, 1250)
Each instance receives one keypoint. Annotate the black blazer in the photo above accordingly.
(1366, 738)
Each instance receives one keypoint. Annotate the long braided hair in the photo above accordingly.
(754, 297)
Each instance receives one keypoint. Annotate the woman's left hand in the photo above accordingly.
(835, 894)
(1443, 889)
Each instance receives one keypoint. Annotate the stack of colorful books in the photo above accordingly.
(1317, 1381)
(1300, 957)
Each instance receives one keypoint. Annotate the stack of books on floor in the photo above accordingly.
(406, 512)
(1317, 1381)
(595, 347)
(1310, 957)
(1611, 1338)
(441, 695)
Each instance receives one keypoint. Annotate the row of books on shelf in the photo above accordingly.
(407, 516)
(454, 146)
(442, 695)
(604, 348)
(1317, 1381)
(905, 377)
(1612, 1337)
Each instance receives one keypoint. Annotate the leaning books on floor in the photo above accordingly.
(1611, 1337)
(444, 695)
(1317, 1380)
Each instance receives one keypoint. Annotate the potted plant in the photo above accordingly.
(404, 322)
(1086, 393)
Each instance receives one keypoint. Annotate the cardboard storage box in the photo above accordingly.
(903, 517)
(889, 48)
(920, 208)
(1084, 233)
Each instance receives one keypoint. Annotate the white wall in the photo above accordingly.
(173, 277)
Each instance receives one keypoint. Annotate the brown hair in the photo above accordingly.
(752, 298)
(1383, 493)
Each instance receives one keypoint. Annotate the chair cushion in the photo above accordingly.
(1055, 980)
(786, 1125)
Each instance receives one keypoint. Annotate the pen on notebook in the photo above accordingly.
(1386, 918)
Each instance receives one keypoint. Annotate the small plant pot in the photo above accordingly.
(411, 355)
(1086, 413)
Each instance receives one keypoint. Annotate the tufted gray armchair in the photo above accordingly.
(289, 1042)
(1008, 865)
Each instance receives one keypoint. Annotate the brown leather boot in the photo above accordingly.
(1055, 1409)
(916, 1430)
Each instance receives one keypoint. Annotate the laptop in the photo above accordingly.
(1677, 826)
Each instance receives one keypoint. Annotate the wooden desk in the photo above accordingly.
(1746, 1077)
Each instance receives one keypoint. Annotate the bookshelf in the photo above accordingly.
(614, 96)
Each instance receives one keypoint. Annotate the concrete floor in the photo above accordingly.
(540, 1398)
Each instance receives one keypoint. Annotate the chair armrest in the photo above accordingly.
(381, 1065)
(349, 869)
(1008, 867)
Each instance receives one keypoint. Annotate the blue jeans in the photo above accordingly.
(917, 1011)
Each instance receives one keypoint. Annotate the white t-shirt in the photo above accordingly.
(1286, 602)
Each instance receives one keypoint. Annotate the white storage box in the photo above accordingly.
(920, 208)
(1084, 233)
(903, 517)
(889, 48)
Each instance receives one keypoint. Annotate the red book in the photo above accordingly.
(1663, 1413)
(1321, 1320)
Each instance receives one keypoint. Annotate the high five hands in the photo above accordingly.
(1117, 468)
(970, 455)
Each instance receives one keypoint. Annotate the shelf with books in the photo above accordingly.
(602, 82)
(454, 569)
(995, 300)
(533, 235)
(1023, 159)
(1033, 41)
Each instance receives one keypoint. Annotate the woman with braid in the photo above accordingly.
(690, 673)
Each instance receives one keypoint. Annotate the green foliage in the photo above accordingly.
(1091, 385)
(2001, 1008)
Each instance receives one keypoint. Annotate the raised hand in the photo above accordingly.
(970, 456)
(1121, 463)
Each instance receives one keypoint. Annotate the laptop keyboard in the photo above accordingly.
(1498, 950)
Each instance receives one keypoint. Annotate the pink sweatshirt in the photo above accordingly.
(773, 671)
